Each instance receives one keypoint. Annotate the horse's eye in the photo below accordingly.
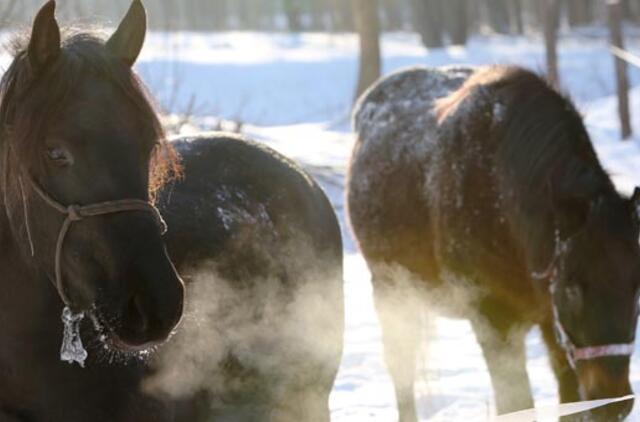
(59, 157)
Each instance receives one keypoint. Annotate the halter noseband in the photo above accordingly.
(574, 353)
(75, 213)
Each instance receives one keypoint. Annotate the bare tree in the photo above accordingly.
(515, 12)
(551, 18)
(580, 12)
(368, 26)
(427, 21)
(392, 14)
(455, 18)
(622, 80)
(498, 14)
(292, 12)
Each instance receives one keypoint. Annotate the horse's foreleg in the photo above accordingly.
(399, 312)
(504, 352)
(566, 377)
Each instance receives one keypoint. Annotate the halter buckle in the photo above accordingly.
(74, 213)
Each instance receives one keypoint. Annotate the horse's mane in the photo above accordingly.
(23, 118)
(542, 150)
(545, 137)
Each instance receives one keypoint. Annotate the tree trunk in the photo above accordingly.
(317, 10)
(614, 10)
(427, 21)
(220, 15)
(292, 12)
(516, 16)
(455, 17)
(580, 12)
(551, 17)
(368, 25)
(392, 15)
(498, 12)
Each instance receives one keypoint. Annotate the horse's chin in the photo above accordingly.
(116, 342)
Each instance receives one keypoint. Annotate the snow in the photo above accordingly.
(294, 93)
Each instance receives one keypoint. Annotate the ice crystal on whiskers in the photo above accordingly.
(72, 349)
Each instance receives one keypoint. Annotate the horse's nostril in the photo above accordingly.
(136, 319)
(151, 313)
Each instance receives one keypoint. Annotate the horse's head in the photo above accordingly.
(595, 282)
(77, 125)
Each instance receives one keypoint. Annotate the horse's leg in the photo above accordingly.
(399, 312)
(502, 344)
(566, 377)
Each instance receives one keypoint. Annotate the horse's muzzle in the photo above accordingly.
(153, 306)
(606, 377)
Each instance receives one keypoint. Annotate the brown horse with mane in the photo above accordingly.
(84, 165)
(476, 193)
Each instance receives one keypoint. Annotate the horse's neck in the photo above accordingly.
(533, 229)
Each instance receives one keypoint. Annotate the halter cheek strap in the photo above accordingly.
(575, 354)
(76, 213)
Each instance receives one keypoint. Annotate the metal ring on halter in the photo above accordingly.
(76, 213)
(574, 353)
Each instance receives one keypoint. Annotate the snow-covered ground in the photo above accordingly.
(294, 92)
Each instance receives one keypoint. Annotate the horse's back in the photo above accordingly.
(260, 247)
(396, 129)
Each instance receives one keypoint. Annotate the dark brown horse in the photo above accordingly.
(477, 193)
(83, 154)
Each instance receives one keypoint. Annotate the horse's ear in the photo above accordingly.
(44, 45)
(126, 43)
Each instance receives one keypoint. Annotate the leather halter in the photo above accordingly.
(574, 353)
(76, 213)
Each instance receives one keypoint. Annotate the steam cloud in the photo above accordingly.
(289, 333)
